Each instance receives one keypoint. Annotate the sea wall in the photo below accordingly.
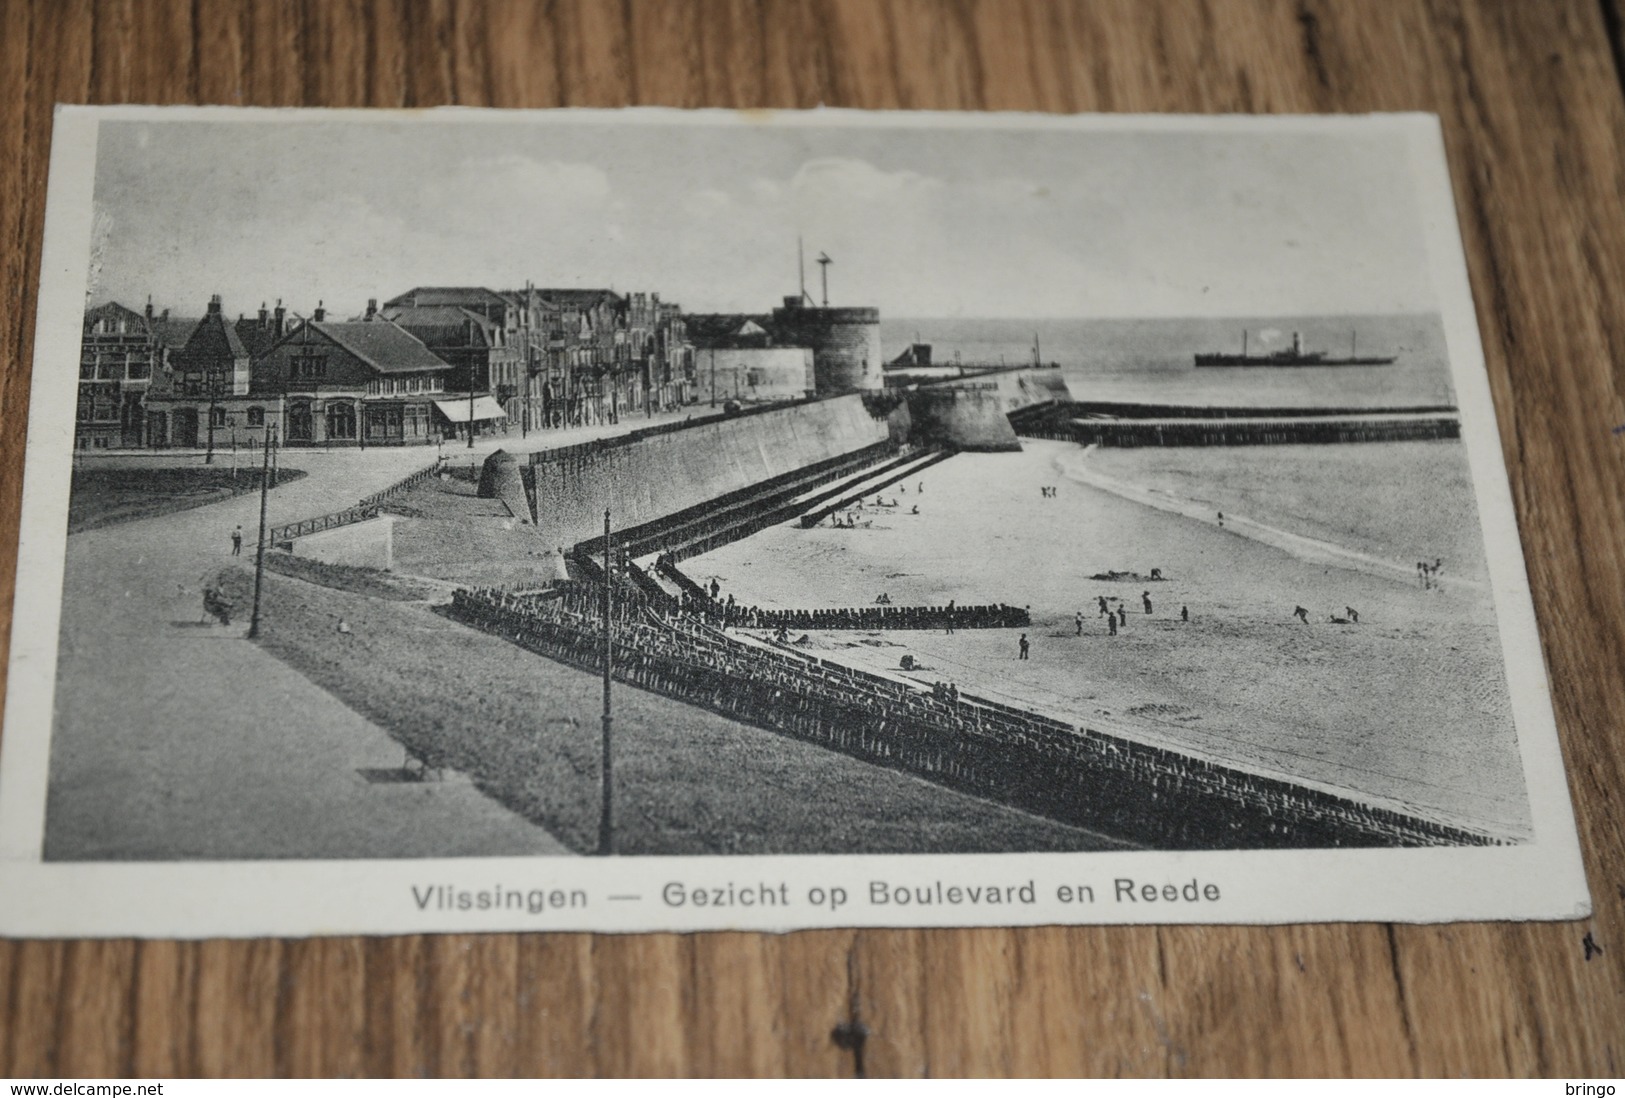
(650, 476)
(972, 412)
(964, 416)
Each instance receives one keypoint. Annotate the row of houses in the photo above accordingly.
(432, 363)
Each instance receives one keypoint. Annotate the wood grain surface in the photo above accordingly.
(1530, 95)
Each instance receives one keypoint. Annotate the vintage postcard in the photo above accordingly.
(656, 520)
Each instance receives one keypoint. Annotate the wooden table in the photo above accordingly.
(1530, 94)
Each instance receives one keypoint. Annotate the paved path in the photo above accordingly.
(161, 752)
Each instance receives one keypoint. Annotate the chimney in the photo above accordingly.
(214, 305)
(166, 315)
(149, 306)
(280, 323)
(320, 314)
(265, 316)
(372, 308)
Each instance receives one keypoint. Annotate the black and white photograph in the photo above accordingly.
(564, 518)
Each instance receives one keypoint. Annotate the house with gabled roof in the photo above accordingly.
(365, 382)
(118, 354)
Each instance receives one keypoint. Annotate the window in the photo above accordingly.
(256, 417)
(341, 421)
(307, 367)
(139, 370)
(217, 416)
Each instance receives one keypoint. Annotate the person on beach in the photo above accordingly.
(1145, 597)
(1301, 614)
(1122, 615)
(237, 542)
(1024, 647)
(921, 488)
(1184, 613)
(1102, 600)
(1111, 624)
(1354, 615)
(1078, 617)
(950, 617)
(1221, 520)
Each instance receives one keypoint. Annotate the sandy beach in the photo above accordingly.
(1408, 708)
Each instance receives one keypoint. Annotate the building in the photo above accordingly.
(736, 357)
(362, 383)
(485, 349)
(119, 351)
(201, 397)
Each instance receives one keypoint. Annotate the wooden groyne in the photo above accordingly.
(1079, 776)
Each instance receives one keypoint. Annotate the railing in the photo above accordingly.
(367, 508)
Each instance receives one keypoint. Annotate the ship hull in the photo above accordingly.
(1256, 360)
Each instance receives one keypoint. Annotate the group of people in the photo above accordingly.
(1350, 616)
(1428, 574)
(1047, 491)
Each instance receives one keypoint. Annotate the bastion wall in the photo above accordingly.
(654, 476)
(972, 413)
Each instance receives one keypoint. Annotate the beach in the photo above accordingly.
(1408, 708)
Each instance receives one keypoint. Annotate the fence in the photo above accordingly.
(367, 508)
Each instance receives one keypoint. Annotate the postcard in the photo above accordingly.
(638, 520)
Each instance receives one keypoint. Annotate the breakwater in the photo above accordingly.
(1076, 775)
(1153, 425)
(651, 474)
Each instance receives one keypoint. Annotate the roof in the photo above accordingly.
(257, 337)
(727, 329)
(212, 340)
(444, 325)
(386, 347)
(420, 296)
(173, 332)
(578, 298)
(112, 310)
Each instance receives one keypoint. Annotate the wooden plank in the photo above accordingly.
(1534, 122)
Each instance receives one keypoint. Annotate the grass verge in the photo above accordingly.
(344, 577)
(688, 781)
(105, 497)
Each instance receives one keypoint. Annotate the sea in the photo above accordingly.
(1152, 360)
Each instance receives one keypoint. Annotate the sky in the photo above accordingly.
(920, 222)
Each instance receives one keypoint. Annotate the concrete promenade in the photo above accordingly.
(160, 752)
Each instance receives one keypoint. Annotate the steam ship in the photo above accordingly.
(1293, 356)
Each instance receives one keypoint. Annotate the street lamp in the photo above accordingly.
(259, 554)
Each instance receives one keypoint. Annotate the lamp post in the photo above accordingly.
(606, 815)
(259, 554)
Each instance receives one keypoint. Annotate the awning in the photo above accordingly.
(456, 411)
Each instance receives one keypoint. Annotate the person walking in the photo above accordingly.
(237, 542)
(1079, 619)
(1301, 614)
(1354, 615)
(1145, 597)
(1024, 647)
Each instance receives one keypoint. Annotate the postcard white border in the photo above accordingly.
(1541, 879)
